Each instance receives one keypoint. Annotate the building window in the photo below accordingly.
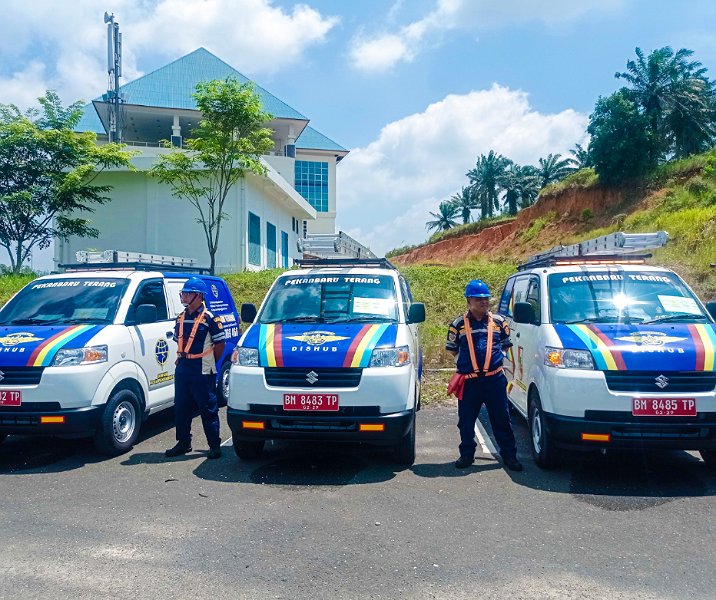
(254, 239)
(284, 249)
(312, 183)
(270, 245)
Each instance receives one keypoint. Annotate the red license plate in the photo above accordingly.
(325, 402)
(663, 407)
(10, 398)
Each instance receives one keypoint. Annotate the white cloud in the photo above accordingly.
(65, 49)
(421, 160)
(23, 87)
(470, 15)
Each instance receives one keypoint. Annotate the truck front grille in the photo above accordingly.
(661, 382)
(312, 377)
(20, 375)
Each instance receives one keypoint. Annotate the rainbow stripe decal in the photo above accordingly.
(647, 347)
(604, 350)
(359, 351)
(319, 344)
(270, 352)
(704, 338)
(43, 354)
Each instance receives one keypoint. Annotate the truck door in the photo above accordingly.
(155, 351)
(526, 288)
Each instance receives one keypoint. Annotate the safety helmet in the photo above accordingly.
(477, 289)
(194, 285)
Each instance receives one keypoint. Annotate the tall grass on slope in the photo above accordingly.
(11, 283)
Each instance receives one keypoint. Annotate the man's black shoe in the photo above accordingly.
(513, 464)
(463, 462)
(177, 450)
(214, 452)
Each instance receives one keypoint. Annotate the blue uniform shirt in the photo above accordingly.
(209, 332)
(457, 342)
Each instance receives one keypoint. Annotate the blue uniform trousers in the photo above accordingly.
(194, 392)
(491, 391)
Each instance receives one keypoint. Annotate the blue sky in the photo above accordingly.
(416, 89)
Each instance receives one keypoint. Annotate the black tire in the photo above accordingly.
(544, 450)
(404, 450)
(119, 425)
(248, 450)
(709, 457)
(222, 384)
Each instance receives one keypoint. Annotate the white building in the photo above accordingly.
(266, 215)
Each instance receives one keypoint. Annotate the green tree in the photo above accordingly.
(673, 93)
(465, 203)
(484, 181)
(620, 139)
(582, 157)
(521, 187)
(444, 219)
(47, 175)
(227, 144)
(554, 168)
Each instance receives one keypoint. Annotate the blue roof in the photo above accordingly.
(310, 139)
(90, 121)
(173, 85)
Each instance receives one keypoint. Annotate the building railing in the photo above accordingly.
(331, 245)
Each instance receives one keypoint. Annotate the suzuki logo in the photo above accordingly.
(312, 377)
(661, 382)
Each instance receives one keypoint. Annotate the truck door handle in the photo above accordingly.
(170, 334)
(518, 334)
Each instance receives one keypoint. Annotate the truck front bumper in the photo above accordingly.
(33, 421)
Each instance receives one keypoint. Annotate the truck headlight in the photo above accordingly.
(248, 357)
(566, 358)
(70, 357)
(390, 357)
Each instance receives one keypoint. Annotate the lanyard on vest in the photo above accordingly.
(471, 346)
(192, 335)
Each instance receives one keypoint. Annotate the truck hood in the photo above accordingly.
(23, 346)
(318, 344)
(621, 347)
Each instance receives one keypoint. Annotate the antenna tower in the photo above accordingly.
(114, 70)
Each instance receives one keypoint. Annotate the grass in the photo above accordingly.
(466, 229)
(11, 283)
(537, 226)
(579, 179)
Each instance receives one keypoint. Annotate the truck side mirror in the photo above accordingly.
(248, 312)
(711, 307)
(524, 312)
(416, 313)
(146, 313)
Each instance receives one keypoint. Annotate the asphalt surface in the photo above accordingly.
(335, 521)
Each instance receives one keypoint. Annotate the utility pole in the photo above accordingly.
(114, 70)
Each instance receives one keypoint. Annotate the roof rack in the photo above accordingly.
(615, 248)
(119, 260)
(375, 263)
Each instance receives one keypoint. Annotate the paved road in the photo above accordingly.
(342, 522)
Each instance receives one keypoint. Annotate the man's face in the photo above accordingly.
(478, 306)
(188, 298)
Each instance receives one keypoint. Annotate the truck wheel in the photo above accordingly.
(543, 448)
(222, 385)
(709, 457)
(119, 425)
(404, 451)
(248, 450)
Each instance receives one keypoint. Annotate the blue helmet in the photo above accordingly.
(194, 285)
(477, 288)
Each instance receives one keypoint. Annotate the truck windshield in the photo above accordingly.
(331, 299)
(621, 297)
(74, 301)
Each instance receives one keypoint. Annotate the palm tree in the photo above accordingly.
(672, 91)
(464, 201)
(483, 181)
(521, 186)
(582, 156)
(553, 168)
(444, 219)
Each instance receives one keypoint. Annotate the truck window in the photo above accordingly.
(620, 296)
(51, 301)
(331, 299)
(505, 298)
(149, 292)
(526, 289)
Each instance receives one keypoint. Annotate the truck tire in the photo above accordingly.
(404, 451)
(119, 425)
(248, 450)
(709, 457)
(544, 450)
(222, 384)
